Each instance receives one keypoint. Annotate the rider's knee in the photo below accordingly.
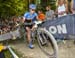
(27, 29)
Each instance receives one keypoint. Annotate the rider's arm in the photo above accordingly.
(35, 16)
(24, 17)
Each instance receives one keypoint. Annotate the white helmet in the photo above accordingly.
(32, 6)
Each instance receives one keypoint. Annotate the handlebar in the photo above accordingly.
(38, 22)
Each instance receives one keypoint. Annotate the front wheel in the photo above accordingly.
(47, 43)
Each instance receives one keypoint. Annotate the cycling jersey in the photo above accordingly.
(29, 16)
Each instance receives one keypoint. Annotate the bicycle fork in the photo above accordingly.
(42, 39)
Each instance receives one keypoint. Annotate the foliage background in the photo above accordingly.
(19, 7)
(12, 7)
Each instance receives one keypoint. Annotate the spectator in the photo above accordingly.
(62, 8)
(49, 13)
(41, 15)
(73, 6)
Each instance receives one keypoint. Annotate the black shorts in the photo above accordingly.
(29, 26)
(28, 23)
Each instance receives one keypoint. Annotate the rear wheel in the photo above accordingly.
(47, 43)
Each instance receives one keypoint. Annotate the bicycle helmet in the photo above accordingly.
(32, 6)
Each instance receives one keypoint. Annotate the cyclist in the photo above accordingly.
(30, 17)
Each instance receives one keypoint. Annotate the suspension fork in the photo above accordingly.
(42, 37)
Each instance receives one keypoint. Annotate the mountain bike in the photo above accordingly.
(45, 39)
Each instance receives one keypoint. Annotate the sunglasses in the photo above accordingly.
(33, 9)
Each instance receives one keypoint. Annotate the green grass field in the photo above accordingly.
(7, 54)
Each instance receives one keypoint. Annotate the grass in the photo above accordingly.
(9, 55)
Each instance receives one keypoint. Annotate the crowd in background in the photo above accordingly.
(63, 9)
(8, 24)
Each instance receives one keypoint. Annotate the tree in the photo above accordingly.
(44, 3)
(52, 3)
(12, 7)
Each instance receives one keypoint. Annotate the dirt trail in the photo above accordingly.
(66, 50)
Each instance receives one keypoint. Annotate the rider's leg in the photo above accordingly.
(34, 27)
(29, 37)
(28, 34)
